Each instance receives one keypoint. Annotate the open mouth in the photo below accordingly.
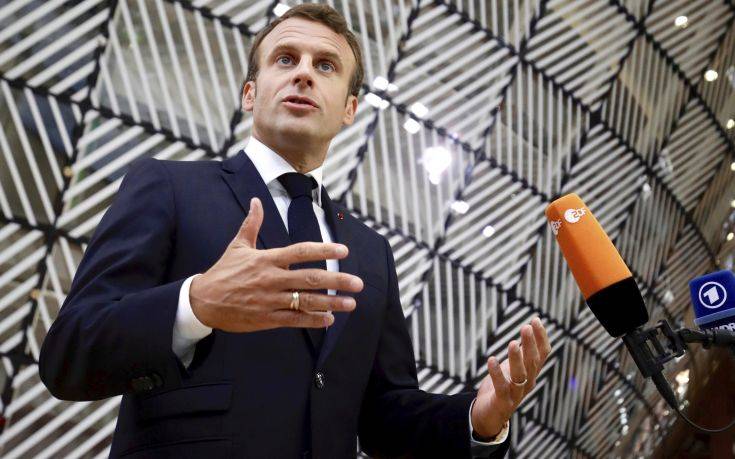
(300, 101)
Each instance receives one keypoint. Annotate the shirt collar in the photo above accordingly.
(271, 165)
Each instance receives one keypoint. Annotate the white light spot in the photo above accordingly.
(730, 123)
(646, 190)
(730, 236)
(380, 83)
(460, 207)
(412, 126)
(436, 160)
(376, 101)
(280, 8)
(419, 109)
(488, 231)
(710, 75)
(681, 21)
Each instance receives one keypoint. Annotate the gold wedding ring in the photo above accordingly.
(519, 384)
(295, 301)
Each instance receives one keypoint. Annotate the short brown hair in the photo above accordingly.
(323, 14)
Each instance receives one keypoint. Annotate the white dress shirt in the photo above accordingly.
(188, 330)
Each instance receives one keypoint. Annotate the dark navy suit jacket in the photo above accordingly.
(250, 395)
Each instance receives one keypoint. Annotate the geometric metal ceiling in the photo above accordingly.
(530, 99)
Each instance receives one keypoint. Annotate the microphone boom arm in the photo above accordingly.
(652, 347)
(707, 337)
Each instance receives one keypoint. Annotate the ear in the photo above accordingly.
(248, 96)
(350, 110)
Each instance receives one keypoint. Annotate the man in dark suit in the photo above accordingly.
(213, 327)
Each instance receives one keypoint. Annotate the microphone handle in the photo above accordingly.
(664, 388)
(707, 337)
(650, 355)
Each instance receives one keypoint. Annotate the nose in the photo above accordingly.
(303, 76)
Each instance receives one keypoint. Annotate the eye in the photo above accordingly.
(284, 59)
(326, 66)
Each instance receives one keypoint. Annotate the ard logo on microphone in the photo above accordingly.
(573, 215)
(712, 295)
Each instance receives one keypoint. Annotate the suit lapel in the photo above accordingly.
(243, 178)
(342, 234)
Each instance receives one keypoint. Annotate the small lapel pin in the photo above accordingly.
(340, 216)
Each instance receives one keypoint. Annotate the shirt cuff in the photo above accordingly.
(188, 330)
(499, 438)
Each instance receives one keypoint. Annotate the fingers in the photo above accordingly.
(522, 364)
(300, 319)
(248, 232)
(317, 279)
(307, 251)
(531, 356)
(309, 301)
(542, 340)
(500, 383)
(518, 371)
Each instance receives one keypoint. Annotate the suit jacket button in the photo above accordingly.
(319, 380)
(142, 384)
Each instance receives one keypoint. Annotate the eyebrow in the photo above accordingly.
(331, 55)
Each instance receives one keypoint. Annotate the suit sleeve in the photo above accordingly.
(113, 333)
(399, 419)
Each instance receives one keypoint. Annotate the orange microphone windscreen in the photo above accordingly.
(603, 277)
(591, 255)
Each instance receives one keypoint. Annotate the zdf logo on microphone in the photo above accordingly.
(573, 215)
(555, 225)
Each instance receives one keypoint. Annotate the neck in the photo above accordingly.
(304, 158)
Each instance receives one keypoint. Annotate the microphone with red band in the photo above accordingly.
(606, 282)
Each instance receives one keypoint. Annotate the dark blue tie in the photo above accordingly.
(303, 226)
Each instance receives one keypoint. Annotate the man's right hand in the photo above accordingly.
(249, 289)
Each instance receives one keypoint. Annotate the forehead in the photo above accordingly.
(307, 34)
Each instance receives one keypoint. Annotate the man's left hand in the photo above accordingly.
(503, 388)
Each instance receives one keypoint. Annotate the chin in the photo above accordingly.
(298, 128)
